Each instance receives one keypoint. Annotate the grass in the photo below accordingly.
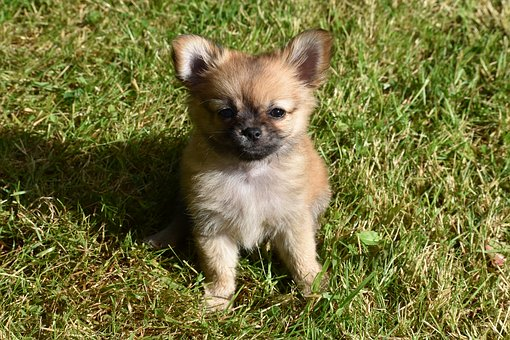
(413, 122)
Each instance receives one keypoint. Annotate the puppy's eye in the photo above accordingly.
(277, 113)
(227, 112)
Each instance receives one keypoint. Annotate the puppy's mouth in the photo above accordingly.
(255, 143)
(256, 152)
(249, 144)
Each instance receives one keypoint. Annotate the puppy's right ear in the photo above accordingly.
(310, 54)
(193, 56)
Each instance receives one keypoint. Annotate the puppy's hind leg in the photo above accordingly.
(173, 235)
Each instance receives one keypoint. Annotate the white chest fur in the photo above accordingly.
(247, 203)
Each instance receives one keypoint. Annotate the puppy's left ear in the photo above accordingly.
(310, 53)
(193, 57)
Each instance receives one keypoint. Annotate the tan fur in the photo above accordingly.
(236, 202)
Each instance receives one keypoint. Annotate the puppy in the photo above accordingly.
(250, 172)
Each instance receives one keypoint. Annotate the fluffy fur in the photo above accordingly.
(250, 172)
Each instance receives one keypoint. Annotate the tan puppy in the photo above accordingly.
(250, 172)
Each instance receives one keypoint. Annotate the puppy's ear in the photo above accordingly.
(193, 56)
(310, 53)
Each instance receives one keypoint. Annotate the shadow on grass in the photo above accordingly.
(124, 186)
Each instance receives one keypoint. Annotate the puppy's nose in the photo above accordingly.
(253, 133)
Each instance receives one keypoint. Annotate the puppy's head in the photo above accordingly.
(252, 106)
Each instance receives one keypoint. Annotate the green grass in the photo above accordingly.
(413, 122)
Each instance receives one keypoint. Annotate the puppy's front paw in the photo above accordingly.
(313, 288)
(216, 303)
(217, 298)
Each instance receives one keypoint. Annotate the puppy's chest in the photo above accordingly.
(251, 203)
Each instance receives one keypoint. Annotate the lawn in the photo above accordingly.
(413, 122)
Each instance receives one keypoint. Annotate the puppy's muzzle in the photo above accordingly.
(252, 133)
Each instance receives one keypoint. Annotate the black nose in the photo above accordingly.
(253, 133)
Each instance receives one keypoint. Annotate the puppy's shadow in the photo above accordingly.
(123, 186)
(129, 186)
